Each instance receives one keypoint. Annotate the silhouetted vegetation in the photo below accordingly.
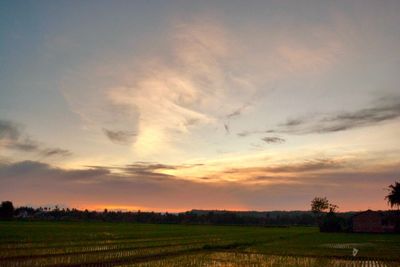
(6, 210)
(329, 221)
(271, 218)
(334, 223)
(393, 198)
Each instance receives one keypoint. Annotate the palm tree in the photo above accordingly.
(393, 198)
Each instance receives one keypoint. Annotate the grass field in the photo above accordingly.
(123, 244)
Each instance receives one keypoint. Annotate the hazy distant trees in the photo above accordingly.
(6, 210)
(393, 198)
(272, 218)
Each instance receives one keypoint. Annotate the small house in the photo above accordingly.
(375, 222)
(368, 222)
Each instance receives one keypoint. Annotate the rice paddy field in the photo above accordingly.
(127, 244)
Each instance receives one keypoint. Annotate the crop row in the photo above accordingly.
(100, 257)
(222, 259)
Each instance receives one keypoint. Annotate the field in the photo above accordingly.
(123, 244)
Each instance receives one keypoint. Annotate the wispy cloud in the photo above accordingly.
(273, 140)
(300, 57)
(12, 137)
(384, 109)
(317, 164)
(148, 170)
(291, 172)
(237, 112)
(9, 130)
(172, 94)
(55, 152)
(25, 145)
(119, 137)
(227, 128)
(145, 170)
(175, 96)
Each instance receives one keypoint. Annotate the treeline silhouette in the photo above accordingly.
(189, 217)
(273, 218)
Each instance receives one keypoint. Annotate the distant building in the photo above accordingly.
(23, 214)
(375, 222)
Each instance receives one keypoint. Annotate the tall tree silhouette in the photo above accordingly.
(393, 198)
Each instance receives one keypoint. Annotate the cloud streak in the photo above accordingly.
(273, 140)
(385, 109)
(48, 152)
(12, 137)
(119, 137)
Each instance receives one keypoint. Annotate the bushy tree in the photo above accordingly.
(332, 223)
(319, 205)
(6, 210)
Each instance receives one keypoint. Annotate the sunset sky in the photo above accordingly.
(175, 105)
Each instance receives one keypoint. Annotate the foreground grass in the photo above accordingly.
(125, 244)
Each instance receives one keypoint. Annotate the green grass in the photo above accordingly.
(126, 244)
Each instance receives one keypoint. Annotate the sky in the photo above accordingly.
(179, 105)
